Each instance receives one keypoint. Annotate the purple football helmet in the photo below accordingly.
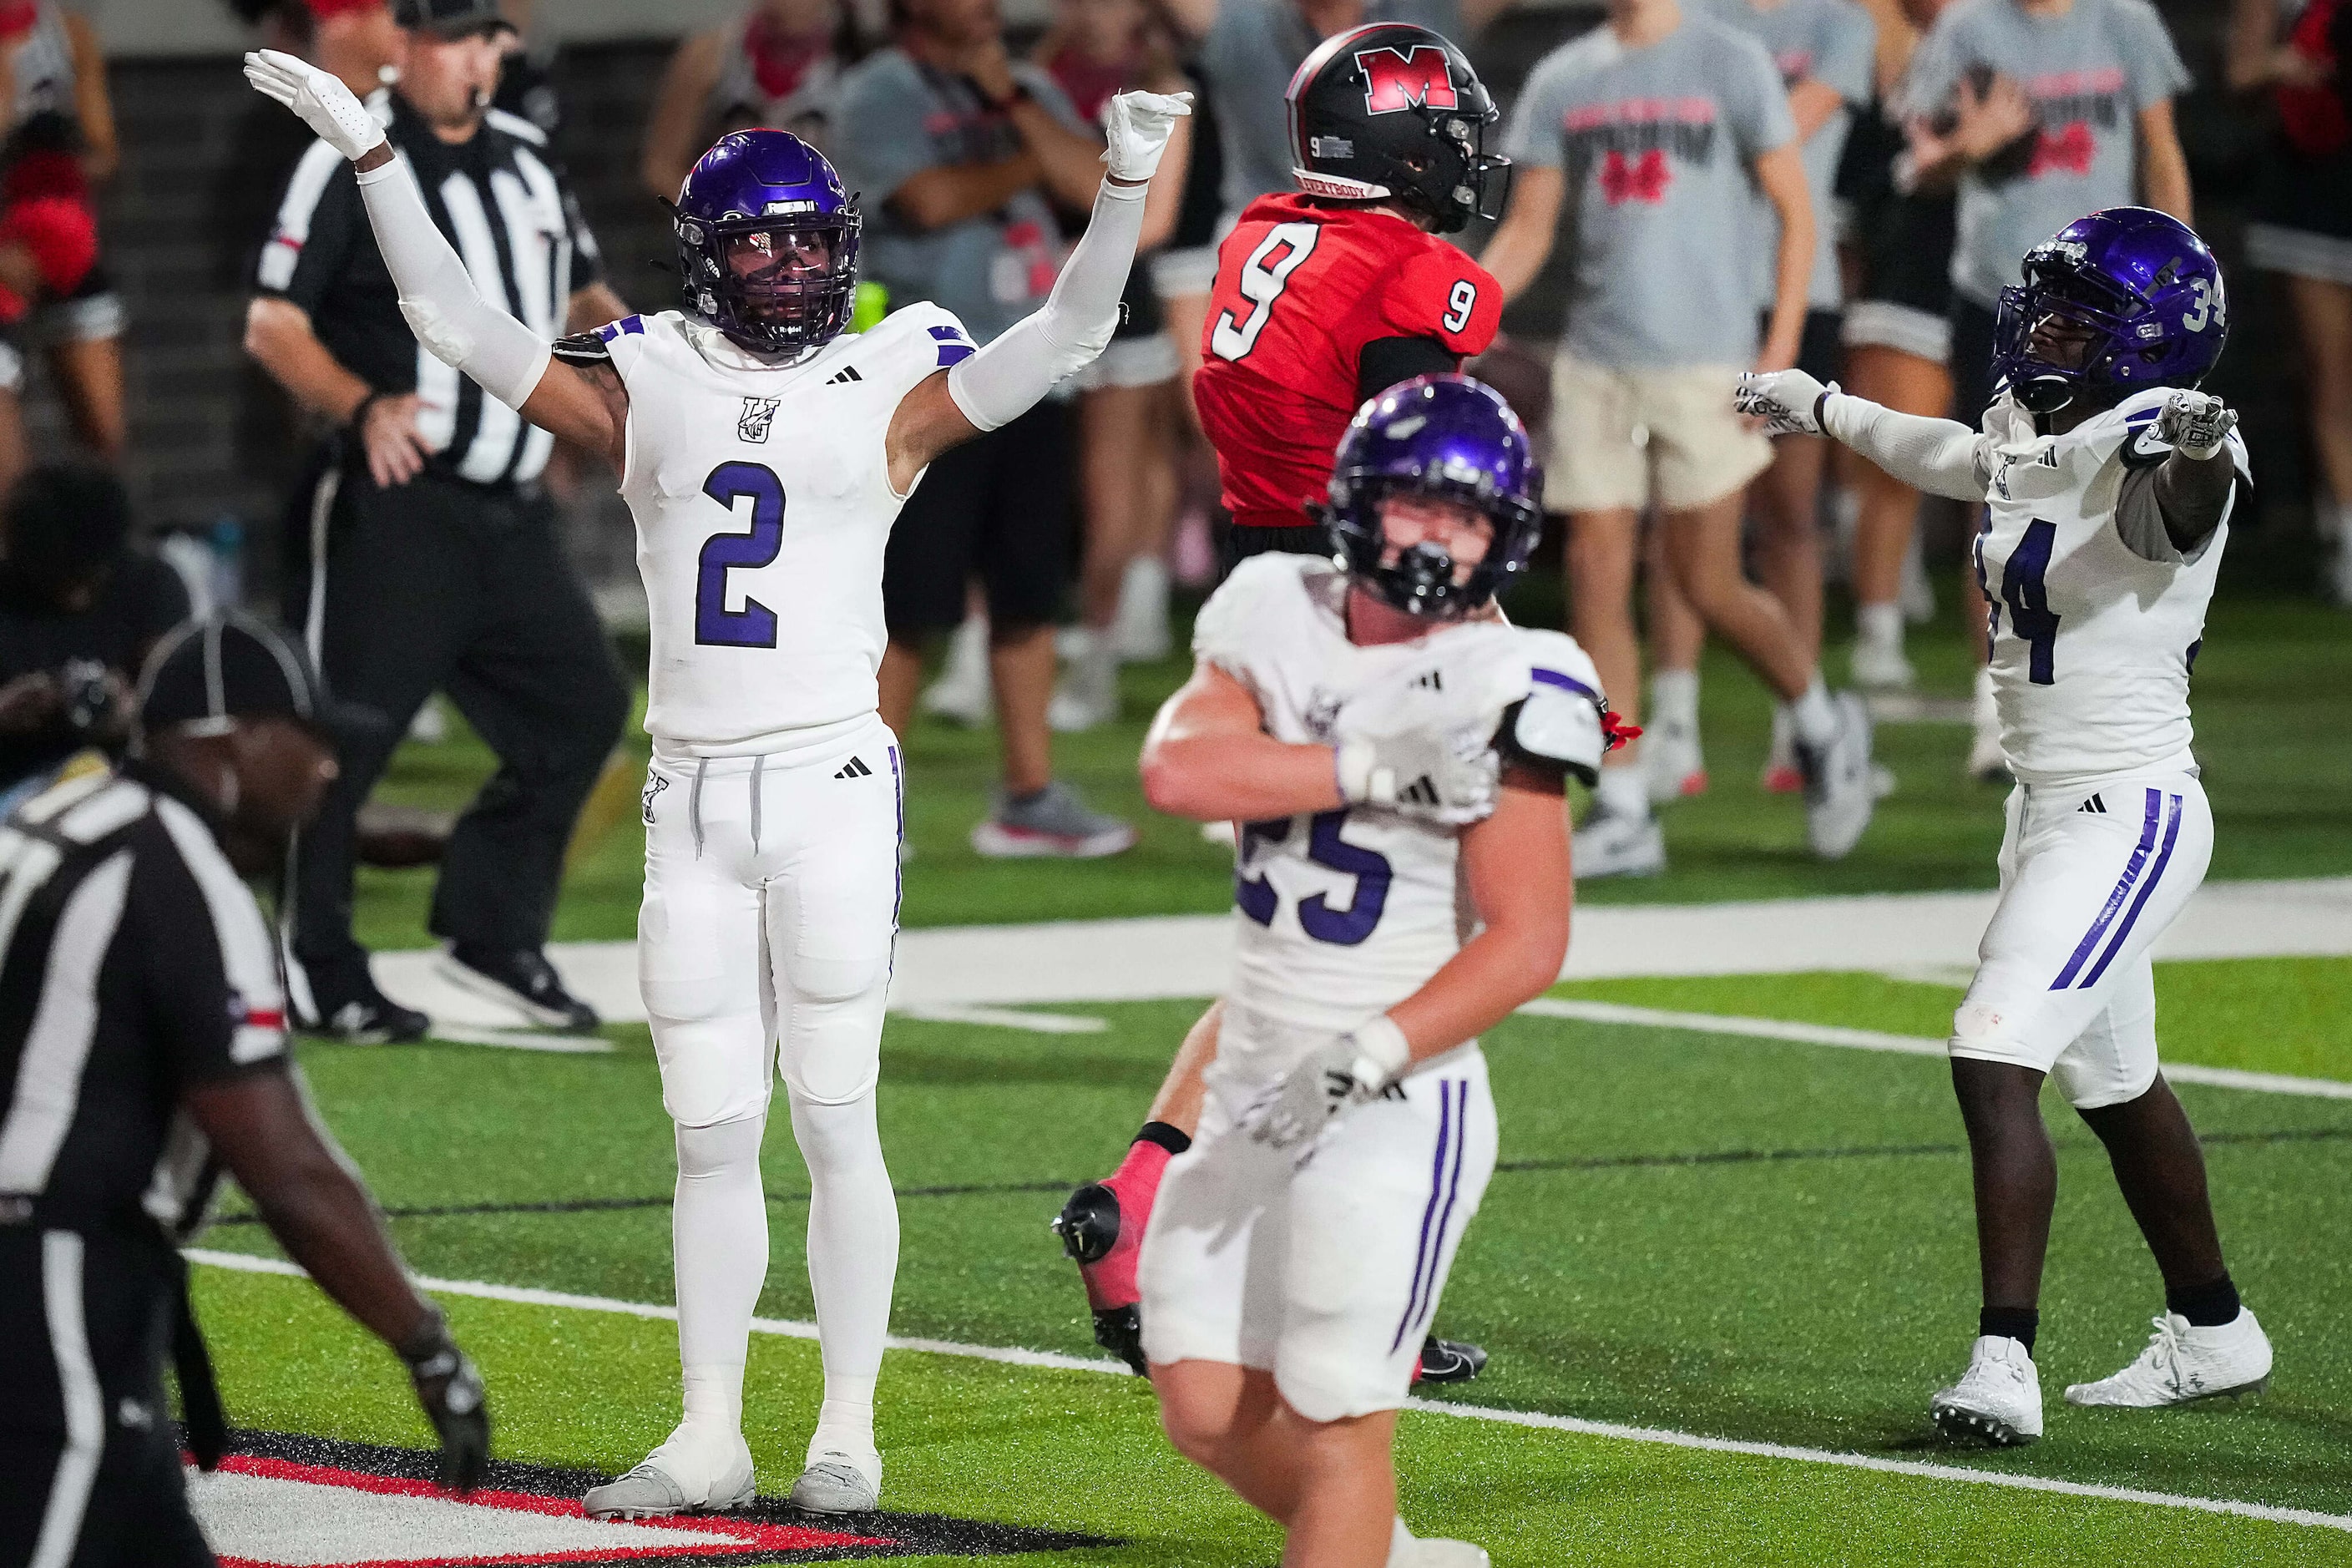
(2134, 288)
(1452, 438)
(767, 243)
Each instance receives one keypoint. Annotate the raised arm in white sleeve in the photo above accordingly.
(1941, 457)
(437, 295)
(1012, 374)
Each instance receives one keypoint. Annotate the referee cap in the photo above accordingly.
(449, 19)
(209, 672)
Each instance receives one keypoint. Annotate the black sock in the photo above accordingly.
(2017, 1323)
(2206, 1305)
(1175, 1139)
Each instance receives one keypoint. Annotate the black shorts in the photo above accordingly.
(998, 507)
(1819, 349)
(1237, 541)
(1972, 330)
(84, 1323)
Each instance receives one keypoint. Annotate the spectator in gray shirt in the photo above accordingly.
(958, 153)
(1653, 134)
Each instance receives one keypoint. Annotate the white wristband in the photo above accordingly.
(1383, 1045)
(1361, 780)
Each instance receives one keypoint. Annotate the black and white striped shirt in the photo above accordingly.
(134, 966)
(503, 204)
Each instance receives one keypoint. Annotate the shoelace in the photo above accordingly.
(2163, 1352)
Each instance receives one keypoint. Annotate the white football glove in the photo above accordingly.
(1139, 125)
(1451, 776)
(1349, 1071)
(2195, 423)
(1788, 401)
(325, 104)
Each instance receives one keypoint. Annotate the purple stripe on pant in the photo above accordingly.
(2163, 859)
(1423, 1265)
(2084, 949)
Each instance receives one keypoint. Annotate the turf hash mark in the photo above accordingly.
(283, 1499)
(1016, 1356)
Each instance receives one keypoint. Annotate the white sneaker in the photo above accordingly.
(839, 1479)
(1881, 666)
(1672, 765)
(963, 693)
(689, 1473)
(1088, 694)
(1998, 1400)
(1140, 632)
(1613, 845)
(1434, 1552)
(1987, 764)
(1840, 784)
(2184, 1364)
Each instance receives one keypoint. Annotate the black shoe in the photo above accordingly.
(1449, 1360)
(521, 978)
(357, 1014)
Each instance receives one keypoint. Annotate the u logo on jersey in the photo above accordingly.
(1396, 80)
(758, 416)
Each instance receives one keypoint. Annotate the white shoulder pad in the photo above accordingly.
(1230, 623)
(912, 342)
(1559, 721)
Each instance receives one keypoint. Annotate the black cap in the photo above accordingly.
(229, 666)
(449, 19)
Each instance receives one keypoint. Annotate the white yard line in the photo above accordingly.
(1192, 956)
(1008, 1018)
(522, 1040)
(1904, 1045)
(522, 1295)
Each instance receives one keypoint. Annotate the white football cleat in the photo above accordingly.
(839, 1480)
(2184, 1364)
(1998, 1400)
(1613, 845)
(1671, 764)
(1840, 786)
(683, 1476)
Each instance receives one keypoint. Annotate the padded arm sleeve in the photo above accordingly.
(1941, 457)
(446, 311)
(1012, 374)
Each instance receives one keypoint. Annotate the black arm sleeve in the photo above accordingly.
(1387, 361)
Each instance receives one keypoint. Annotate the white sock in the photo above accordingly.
(1673, 698)
(1143, 596)
(1880, 624)
(1622, 792)
(1082, 644)
(853, 1257)
(2335, 522)
(1400, 1546)
(1814, 714)
(718, 1233)
(968, 649)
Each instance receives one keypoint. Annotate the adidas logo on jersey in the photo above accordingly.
(2094, 806)
(1429, 680)
(849, 374)
(857, 769)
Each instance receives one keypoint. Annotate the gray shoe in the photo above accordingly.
(653, 1490)
(837, 1482)
(1054, 822)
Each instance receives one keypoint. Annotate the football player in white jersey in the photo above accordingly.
(2109, 482)
(1397, 753)
(764, 452)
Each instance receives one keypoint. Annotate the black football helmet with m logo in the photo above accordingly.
(1393, 112)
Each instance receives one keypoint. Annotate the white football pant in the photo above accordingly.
(2090, 876)
(771, 908)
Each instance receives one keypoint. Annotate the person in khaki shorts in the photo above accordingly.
(1654, 130)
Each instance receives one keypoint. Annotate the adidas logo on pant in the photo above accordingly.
(857, 769)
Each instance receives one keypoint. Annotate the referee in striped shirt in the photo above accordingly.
(142, 1046)
(432, 562)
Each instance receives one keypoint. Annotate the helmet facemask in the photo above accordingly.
(2068, 330)
(1423, 579)
(773, 285)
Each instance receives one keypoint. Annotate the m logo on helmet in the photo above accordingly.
(1398, 79)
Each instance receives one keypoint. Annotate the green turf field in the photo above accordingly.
(1694, 1233)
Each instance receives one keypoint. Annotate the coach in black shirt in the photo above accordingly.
(142, 1046)
(433, 557)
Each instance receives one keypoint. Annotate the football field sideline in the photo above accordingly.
(1161, 957)
(247, 1263)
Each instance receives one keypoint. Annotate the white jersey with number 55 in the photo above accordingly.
(762, 501)
(2096, 619)
(1343, 914)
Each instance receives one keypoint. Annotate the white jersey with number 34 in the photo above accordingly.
(762, 501)
(2091, 640)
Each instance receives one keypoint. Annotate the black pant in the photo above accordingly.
(1973, 330)
(441, 586)
(84, 1320)
(997, 506)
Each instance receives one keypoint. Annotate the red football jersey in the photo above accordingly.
(1301, 288)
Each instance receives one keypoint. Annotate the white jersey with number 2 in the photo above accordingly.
(762, 501)
(2092, 641)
